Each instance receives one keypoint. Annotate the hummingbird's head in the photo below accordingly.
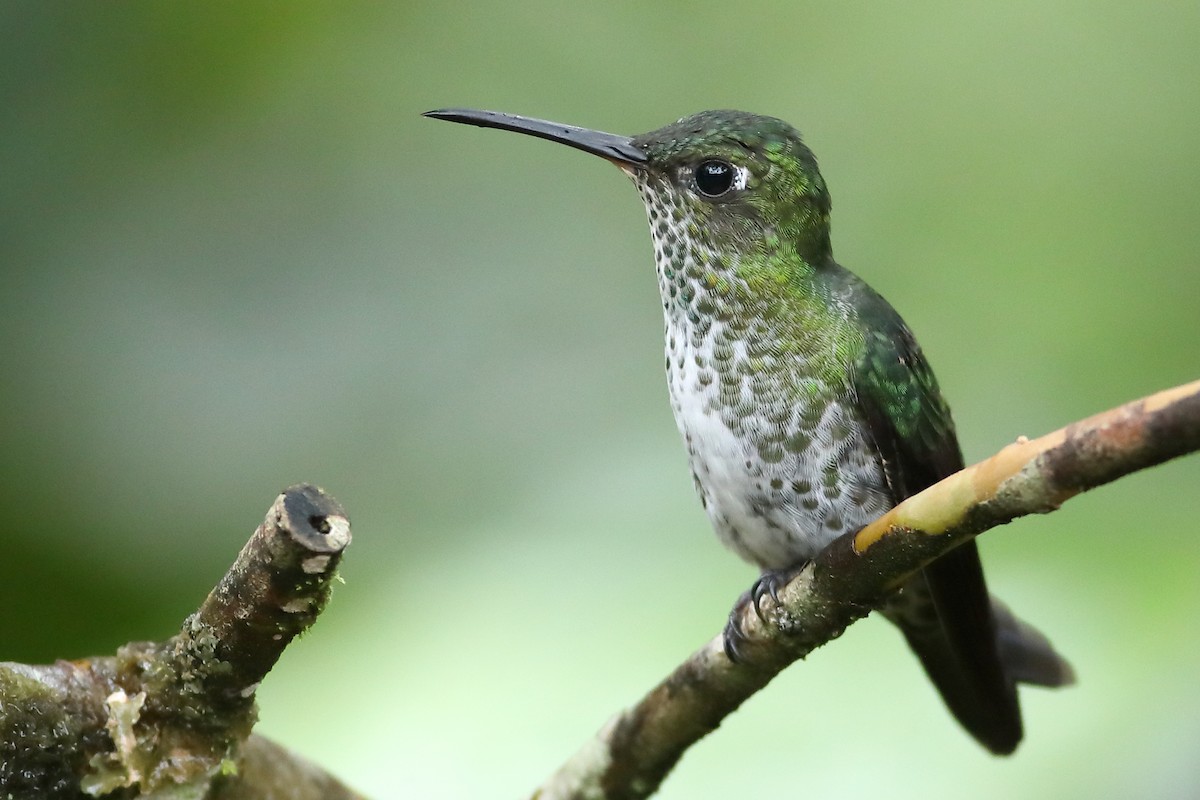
(721, 179)
(745, 179)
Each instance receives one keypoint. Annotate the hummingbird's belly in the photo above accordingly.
(779, 506)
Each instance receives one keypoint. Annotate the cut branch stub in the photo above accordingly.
(279, 583)
(173, 716)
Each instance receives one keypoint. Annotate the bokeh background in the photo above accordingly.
(235, 257)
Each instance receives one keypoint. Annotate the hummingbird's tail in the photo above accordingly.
(974, 650)
(1026, 653)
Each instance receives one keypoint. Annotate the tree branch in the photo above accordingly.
(174, 717)
(632, 754)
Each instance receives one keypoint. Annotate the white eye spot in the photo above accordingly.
(741, 177)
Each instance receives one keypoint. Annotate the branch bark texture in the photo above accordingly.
(173, 718)
(632, 754)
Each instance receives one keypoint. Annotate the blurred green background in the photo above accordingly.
(235, 257)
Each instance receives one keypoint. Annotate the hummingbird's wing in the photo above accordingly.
(913, 432)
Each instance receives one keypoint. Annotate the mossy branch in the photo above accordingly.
(173, 719)
(632, 754)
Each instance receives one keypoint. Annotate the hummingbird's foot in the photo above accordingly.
(767, 585)
(734, 637)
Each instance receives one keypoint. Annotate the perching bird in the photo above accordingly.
(806, 405)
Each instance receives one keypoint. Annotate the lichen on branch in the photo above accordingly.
(175, 717)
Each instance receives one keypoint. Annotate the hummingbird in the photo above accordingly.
(805, 403)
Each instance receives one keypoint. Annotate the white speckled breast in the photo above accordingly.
(779, 457)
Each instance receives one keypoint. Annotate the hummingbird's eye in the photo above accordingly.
(714, 178)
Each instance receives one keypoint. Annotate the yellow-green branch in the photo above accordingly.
(632, 754)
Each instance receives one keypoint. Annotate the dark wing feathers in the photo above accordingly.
(905, 410)
(913, 432)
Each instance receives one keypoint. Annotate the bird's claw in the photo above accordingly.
(734, 637)
(767, 585)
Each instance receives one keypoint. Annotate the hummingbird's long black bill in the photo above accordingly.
(618, 149)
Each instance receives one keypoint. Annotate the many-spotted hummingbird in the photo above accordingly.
(807, 407)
